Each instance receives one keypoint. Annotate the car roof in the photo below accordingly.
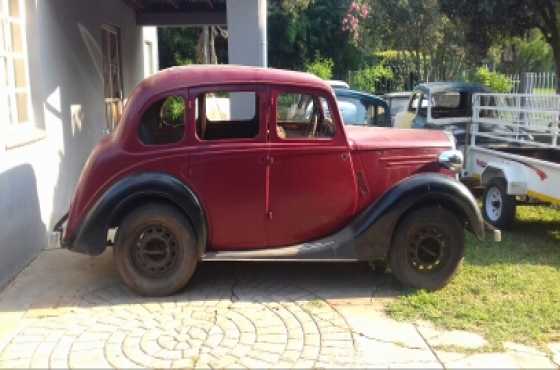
(199, 75)
(454, 86)
(359, 95)
(399, 94)
(338, 84)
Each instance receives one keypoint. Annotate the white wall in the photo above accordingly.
(247, 28)
(37, 179)
(151, 59)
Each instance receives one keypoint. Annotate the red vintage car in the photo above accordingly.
(214, 163)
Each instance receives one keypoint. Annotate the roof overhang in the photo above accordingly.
(183, 13)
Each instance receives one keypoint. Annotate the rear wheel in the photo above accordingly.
(497, 206)
(155, 253)
(427, 249)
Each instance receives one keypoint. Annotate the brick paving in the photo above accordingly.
(71, 311)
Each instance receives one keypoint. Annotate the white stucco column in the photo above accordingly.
(247, 28)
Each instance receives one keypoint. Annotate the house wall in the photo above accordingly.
(38, 174)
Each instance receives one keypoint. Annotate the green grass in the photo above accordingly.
(504, 291)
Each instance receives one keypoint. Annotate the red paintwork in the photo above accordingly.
(310, 188)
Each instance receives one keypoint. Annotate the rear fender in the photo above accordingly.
(129, 193)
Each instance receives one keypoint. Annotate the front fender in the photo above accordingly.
(374, 228)
(125, 195)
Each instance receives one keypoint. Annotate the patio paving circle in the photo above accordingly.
(212, 324)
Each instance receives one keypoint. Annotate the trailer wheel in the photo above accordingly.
(497, 206)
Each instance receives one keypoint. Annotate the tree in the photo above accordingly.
(425, 43)
(488, 21)
(300, 29)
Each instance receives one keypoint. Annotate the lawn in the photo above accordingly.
(504, 291)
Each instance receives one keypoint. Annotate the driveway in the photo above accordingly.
(70, 311)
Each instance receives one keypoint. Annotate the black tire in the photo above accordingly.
(155, 253)
(378, 267)
(498, 207)
(427, 248)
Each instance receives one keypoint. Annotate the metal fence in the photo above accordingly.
(530, 119)
(539, 83)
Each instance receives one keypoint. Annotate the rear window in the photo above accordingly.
(450, 104)
(163, 122)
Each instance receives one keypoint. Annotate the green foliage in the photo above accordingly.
(495, 81)
(507, 291)
(421, 42)
(177, 46)
(297, 34)
(370, 78)
(531, 53)
(321, 67)
(486, 22)
(173, 110)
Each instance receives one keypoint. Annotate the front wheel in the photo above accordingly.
(155, 253)
(498, 207)
(427, 248)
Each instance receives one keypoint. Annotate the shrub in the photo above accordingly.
(495, 81)
(321, 67)
(370, 78)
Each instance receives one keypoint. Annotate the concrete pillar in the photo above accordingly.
(247, 28)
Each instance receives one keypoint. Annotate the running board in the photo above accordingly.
(307, 252)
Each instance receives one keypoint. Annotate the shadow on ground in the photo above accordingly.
(59, 279)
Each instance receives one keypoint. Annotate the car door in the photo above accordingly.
(311, 181)
(227, 170)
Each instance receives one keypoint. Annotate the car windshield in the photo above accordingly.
(355, 112)
(398, 105)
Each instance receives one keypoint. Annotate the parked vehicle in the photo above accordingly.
(280, 179)
(362, 109)
(397, 102)
(338, 84)
(518, 162)
(441, 105)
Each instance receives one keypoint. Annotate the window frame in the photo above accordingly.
(138, 144)
(303, 90)
(113, 104)
(14, 132)
(260, 113)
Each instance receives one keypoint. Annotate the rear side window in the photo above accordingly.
(227, 115)
(450, 104)
(303, 116)
(164, 122)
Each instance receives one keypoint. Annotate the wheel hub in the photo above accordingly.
(427, 249)
(494, 203)
(155, 251)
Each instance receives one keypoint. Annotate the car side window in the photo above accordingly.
(303, 116)
(380, 119)
(163, 122)
(223, 115)
(423, 109)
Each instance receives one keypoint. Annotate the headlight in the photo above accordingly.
(452, 160)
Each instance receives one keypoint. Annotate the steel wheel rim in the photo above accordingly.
(427, 250)
(494, 203)
(154, 253)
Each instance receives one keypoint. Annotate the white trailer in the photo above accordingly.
(513, 151)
